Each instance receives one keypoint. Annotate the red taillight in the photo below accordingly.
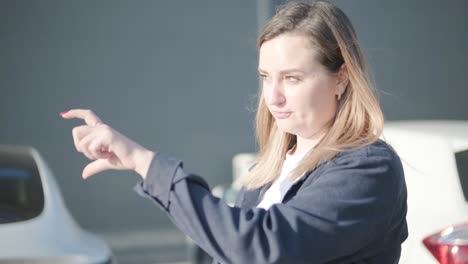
(449, 246)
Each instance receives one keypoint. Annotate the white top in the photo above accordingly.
(280, 187)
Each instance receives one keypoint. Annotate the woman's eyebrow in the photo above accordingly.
(293, 70)
(285, 71)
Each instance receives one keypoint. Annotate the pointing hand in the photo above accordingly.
(106, 147)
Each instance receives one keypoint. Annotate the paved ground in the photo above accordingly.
(162, 255)
(149, 247)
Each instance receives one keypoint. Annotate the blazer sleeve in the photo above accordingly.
(348, 206)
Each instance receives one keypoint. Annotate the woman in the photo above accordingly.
(325, 189)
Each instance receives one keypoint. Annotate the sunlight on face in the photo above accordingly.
(298, 90)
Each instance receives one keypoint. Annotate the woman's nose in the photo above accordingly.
(274, 94)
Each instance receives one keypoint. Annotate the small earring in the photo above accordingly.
(338, 96)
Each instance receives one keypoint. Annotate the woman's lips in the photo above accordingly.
(281, 115)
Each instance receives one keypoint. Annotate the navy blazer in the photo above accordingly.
(351, 209)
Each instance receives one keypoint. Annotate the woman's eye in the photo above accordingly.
(294, 79)
(263, 77)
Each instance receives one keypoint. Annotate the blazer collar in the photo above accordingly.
(253, 197)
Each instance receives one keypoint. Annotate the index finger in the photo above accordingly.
(87, 115)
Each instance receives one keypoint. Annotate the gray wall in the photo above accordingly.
(180, 77)
(177, 76)
(418, 52)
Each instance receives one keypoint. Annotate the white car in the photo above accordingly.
(435, 160)
(35, 226)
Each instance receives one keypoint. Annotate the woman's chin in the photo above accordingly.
(286, 128)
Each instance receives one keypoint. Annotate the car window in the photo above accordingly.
(21, 193)
(462, 166)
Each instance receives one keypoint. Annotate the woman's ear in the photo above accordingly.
(342, 80)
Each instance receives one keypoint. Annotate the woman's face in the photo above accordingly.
(299, 92)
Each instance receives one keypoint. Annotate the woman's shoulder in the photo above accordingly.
(378, 148)
(375, 166)
(378, 154)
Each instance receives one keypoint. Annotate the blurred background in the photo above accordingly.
(180, 77)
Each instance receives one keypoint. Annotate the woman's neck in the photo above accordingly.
(304, 144)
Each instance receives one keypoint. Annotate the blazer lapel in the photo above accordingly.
(251, 198)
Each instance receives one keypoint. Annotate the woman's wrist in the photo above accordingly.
(143, 158)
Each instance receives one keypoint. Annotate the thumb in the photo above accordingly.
(96, 167)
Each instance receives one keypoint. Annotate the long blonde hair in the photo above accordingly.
(358, 121)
